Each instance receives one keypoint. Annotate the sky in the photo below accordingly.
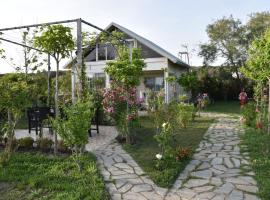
(168, 23)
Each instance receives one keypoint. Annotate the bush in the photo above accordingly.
(182, 153)
(185, 114)
(62, 147)
(249, 113)
(26, 142)
(44, 144)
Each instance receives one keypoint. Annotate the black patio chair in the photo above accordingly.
(95, 122)
(36, 117)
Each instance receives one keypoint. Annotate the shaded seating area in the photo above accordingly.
(36, 116)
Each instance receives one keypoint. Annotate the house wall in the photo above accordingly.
(174, 90)
(152, 64)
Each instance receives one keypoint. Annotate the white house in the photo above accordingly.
(159, 63)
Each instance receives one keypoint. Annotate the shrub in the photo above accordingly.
(182, 153)
(157, 108)
(74, 128)
(165, 139)
(122, 105)
(249, 113)
(185, 114)
(44, 144)
(62, 147)
(26, 142)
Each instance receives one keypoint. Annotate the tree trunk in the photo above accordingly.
(56, 105)
(10, 134)
(268, 130)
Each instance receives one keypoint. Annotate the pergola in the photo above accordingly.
(79, 50)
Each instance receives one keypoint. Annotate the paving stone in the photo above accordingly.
(186, 193)
(217, 161)
(205, 195)
(236, 162)
(126, 187)
(225, 188)
(196, 183)
(204, 165)
(142, 188)
(248, 179)
(119, 182)
(220, 167)
(203, 188)
(248, 188)
(216, 181)
(133, 196)
(124, 176)
(202, 174)
(219, 197)
(236, 195)
(122, 166)
(237, 180)
(116, 196)
(153, 196)
(251, 197)
(228, 163)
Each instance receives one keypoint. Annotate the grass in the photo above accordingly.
(42, 176)
(227, 107)
(259, 152)
(146, 148)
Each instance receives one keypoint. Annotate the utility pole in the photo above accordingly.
(184, 53)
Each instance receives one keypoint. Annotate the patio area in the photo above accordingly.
(105, 136)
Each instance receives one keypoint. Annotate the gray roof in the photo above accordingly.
(146, 42)
(149, 44)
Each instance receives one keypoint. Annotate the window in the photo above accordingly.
(98, 81)
(111, 52)
(154, 83)
(102, 52)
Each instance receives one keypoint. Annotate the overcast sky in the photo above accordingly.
(168, 23)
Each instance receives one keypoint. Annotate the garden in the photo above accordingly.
(161, 139)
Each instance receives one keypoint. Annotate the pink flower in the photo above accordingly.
(110, 110)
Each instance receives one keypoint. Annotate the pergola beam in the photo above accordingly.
(37, 25)
(23, 45)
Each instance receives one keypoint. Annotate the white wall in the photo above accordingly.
(175, 70)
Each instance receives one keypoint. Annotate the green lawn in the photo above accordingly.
(146, 148)
(259, 151)
(41, 176)
(228, 107)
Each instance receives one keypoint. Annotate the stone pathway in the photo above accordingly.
(216, 171)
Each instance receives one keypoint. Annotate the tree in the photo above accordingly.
(125, 71)
(190, 82)
(257, 25)
(226, 42)
(229, 40)
(57, 41)
(73, 129)
(31, 57)
(258, 64)
(14, 99)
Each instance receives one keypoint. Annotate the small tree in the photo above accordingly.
(126, 72)
(14, 99)
(73, 129)
(258, 64)
(57, 41)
